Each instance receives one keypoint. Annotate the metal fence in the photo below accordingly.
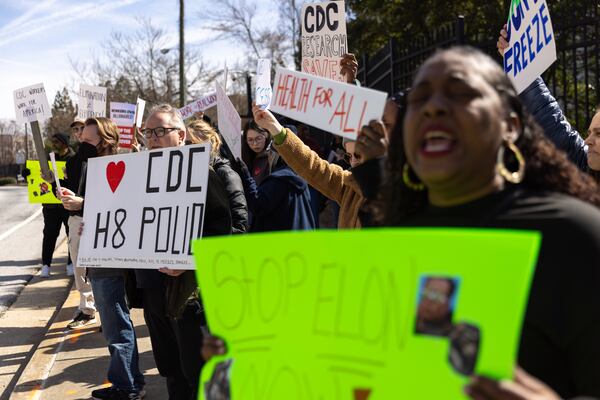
(574, 79)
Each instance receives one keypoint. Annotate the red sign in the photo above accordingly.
(126, 136)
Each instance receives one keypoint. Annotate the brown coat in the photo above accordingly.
(329, 179)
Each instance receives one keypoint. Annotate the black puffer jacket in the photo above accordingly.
(232, 184)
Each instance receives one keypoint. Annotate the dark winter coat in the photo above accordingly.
(234, 187)
(547, 112)
(217, 222)
(280, 203)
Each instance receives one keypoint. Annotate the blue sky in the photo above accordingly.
(37, 37)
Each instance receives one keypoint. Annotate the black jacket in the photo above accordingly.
(232, 183)
(280, 203)
(217, 222)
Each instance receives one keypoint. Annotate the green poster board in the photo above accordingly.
(335, 314)
(40, 191)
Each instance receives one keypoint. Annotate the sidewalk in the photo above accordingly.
(66, 365)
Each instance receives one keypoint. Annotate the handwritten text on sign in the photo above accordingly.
(335, 107)
(230, 122)
(358, 316)
(202, 104)
(92, 101)
(324, 39)
(532, 48)
(144, 208)
(31, 104)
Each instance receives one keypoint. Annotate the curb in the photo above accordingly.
(36, 372)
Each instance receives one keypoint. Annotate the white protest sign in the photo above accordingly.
(532, 45)
(202, 104)
(333, 106)
(31, 104)
(140, 105)
(264, 92)
(92, 101)
(123, 114)
(55, 172)
(230, 123)
(144, 208)
(324, 39)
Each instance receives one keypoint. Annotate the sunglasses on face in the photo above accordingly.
(158, 132)
(435, 296)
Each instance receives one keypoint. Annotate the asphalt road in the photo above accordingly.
(21, 226)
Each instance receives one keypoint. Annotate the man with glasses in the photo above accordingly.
(172, 308)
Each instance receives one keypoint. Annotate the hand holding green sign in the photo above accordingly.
(344, 315)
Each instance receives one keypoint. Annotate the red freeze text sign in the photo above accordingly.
(332, 106)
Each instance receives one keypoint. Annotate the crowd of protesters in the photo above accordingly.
(460, 149)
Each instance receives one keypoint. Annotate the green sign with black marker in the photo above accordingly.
(357, 315)
(40, 191)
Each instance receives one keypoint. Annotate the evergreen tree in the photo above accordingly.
(63, 113)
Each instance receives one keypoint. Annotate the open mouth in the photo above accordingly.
(437, 143)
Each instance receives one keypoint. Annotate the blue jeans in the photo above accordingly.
(123, 370)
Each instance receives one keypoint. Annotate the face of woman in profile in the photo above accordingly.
(256, 140)
(454, 124)
(593, 142)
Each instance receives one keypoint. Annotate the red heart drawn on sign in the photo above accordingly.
(114, 174)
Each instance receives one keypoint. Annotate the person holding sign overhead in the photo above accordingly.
(173, 308)
(547, 112)
(468, 155)
(278, 199)
(100, 137)
(331, 180)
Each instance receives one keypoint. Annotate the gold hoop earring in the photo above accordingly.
(512, 177)
(417, 187)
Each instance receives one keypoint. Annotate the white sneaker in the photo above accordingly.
(70, 270)
(45, 272)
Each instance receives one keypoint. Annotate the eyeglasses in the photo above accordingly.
(258, 140)
(77, 129)
(158, 132)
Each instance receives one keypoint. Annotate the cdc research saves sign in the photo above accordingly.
(143, 209)
(532, 44)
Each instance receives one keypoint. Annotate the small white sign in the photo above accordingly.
(333, 106)
(122, 114)
(230, 122)
(532, 45)
(202, 104)
(264, 92)
(31, 104)
(55, 172)
(140, 105)
(324, 39)
(92, 101)
(144, 209)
